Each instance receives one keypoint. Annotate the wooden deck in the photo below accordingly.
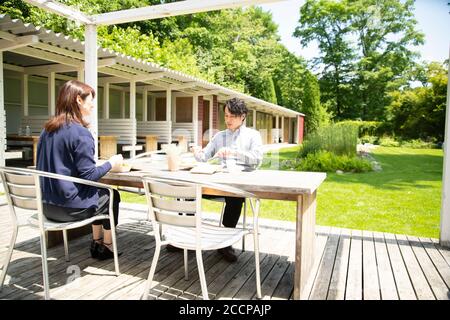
(350, 264)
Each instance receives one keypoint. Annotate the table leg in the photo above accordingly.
(305, 242)
(35, 143)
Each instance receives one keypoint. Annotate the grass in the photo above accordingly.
(404, 198)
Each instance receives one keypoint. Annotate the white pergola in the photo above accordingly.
(190, 7)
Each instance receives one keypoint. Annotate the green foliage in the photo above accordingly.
(365, 128)
(317, 116)
(338, 139)
(361, 61)
(325, 161)
(420, 112)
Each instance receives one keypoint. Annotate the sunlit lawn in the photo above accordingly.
(404, 198)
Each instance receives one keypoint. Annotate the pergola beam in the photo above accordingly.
(169, 10)
(138, 78)
(18, 42)
(62, 10)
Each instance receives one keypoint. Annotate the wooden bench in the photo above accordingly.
(151, 142)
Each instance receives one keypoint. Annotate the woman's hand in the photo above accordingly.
(116, 161)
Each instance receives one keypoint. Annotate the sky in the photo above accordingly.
(432, 16)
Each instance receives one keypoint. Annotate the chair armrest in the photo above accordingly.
(58, 176)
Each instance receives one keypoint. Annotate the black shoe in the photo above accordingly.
(103, 253)
(94, 249)
(172, 248)
(228, 254)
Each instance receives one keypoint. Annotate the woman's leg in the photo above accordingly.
(97, 232)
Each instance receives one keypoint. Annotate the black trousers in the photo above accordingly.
(64, 214)
(232, 212)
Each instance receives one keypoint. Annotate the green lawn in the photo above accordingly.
(404, 198)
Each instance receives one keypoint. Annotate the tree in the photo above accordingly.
(364, 52)
(329, 23)
(420, 112)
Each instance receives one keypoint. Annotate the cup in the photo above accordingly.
(173, 162)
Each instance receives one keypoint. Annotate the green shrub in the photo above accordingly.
(369, 139)
(338, 138)
(365, 128)
(388, 142)
(325, 161)
(418, 144)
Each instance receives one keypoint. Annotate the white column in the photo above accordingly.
(2, 116)
(169, 112)
(145, 105)
(277, 125)
(254, 119)
(51, 93)
(445, 205)
(133, 116)
(80, 75)
(195, 118)
(25, 94)
(122, 104)
(282, 129)
(91, 76)
(106, 101)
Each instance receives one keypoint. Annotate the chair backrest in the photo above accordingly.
(20, 188)
(173, 203)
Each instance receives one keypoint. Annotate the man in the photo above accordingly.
(237, 145)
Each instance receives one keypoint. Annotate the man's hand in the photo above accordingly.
(225, 153)
(196, 149)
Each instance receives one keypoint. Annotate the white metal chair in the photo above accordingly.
(184, 227)
(23, 191)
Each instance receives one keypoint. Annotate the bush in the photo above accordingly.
(369, 139)
(414, 143)
(325, 161)
(388, 142)
(340, 139)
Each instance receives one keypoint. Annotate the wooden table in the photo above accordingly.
(33, 139)
(266, 184)
(108, 146)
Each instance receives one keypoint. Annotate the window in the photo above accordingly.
(183, 109)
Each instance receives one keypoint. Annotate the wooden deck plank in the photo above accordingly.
(418, 280)
(445, 252)
(388, 267)
(371, 287)
(338, 281)
(403, 283)
(438, 286)
(355, 275)
(270, 279)
(325, 270)
(388, 289)
(438, 260)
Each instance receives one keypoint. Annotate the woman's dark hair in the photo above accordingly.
(67, 108)
(236, 106)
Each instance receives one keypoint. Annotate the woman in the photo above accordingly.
(67, 147)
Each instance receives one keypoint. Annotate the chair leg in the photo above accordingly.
(257, 271)
(66, 245)
(244, 223)
(115, 249)
(221, 214)
(151, 273)
(186, 267)
(8, 256)
(45, 268)
(201, 273)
